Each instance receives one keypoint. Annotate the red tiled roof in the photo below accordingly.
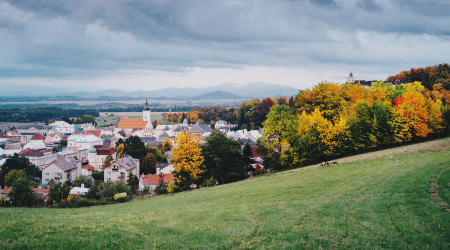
(24, 151)
(149, 180)
(37, 137)
(41, 190)
(132, 123)
(104, 150)
(256, 154)
(88, 166)
(94, 132)
(35, 152)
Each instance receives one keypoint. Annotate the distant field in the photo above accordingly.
(375, 203)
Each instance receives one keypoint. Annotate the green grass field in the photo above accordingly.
(375, 203)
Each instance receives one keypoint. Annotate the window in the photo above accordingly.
(108, 179)
(47, 174)
(122, 173)
(47, 180)
(109, 173)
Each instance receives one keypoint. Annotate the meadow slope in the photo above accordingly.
(382, 202)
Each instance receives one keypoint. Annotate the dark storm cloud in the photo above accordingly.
(53, 37)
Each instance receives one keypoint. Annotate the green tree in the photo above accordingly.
(148, 164)
(14, 175)
(85, 119)
(133, 182)
(82, 180)
(22, 194)
(278, 137)
(98, 175)
(20, 163)
(247, 152)
(134, 147)
(58, 192)
(223, 158)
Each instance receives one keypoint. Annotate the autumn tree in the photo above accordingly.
(261, 111)
(167, 145)
(413, 111)
(325, 96)
(319, 138)
(187, 160)
(108, 161)
(119, 150)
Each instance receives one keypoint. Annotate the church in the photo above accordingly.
(137, 123)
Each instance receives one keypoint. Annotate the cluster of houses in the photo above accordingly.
(88, 147)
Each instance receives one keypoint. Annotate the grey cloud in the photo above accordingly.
(56, 38)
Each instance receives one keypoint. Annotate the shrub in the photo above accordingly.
(172, 188)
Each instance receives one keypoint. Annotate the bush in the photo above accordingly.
(211, 182)
(172, 188)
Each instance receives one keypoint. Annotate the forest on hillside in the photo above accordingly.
(428, 76)
(332, 120)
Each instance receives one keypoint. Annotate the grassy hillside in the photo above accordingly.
(382, 202)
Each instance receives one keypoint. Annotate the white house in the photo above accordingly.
(79, 190)
(61, 171)
(97, 156)
(86, 141)
(39, 157)
(119, 169)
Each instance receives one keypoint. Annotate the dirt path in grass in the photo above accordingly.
(434, 192)
(441, 144)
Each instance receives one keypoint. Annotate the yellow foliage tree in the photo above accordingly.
(167, 145)
(119, 150)
(320, 135)
(187, 159)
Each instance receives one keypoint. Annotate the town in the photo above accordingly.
(66, 152)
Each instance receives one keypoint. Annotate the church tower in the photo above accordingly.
(146, 115)
(351, 78)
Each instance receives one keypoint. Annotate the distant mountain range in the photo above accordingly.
(222, 91)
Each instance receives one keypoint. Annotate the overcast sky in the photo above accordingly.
(146, 45)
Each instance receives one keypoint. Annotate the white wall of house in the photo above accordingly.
(115, 172)
(58, 175)
(97, 160)
(42, 161)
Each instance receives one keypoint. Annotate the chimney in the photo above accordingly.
(82, 185)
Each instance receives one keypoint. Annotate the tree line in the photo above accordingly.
(428, 76)
(41, 114)
(332, 120)
(249, 115)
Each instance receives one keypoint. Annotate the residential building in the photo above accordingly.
(119, 169)
(86, 141)
(153, 181)
(39, 157)
(97, 156)
(61, 170)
